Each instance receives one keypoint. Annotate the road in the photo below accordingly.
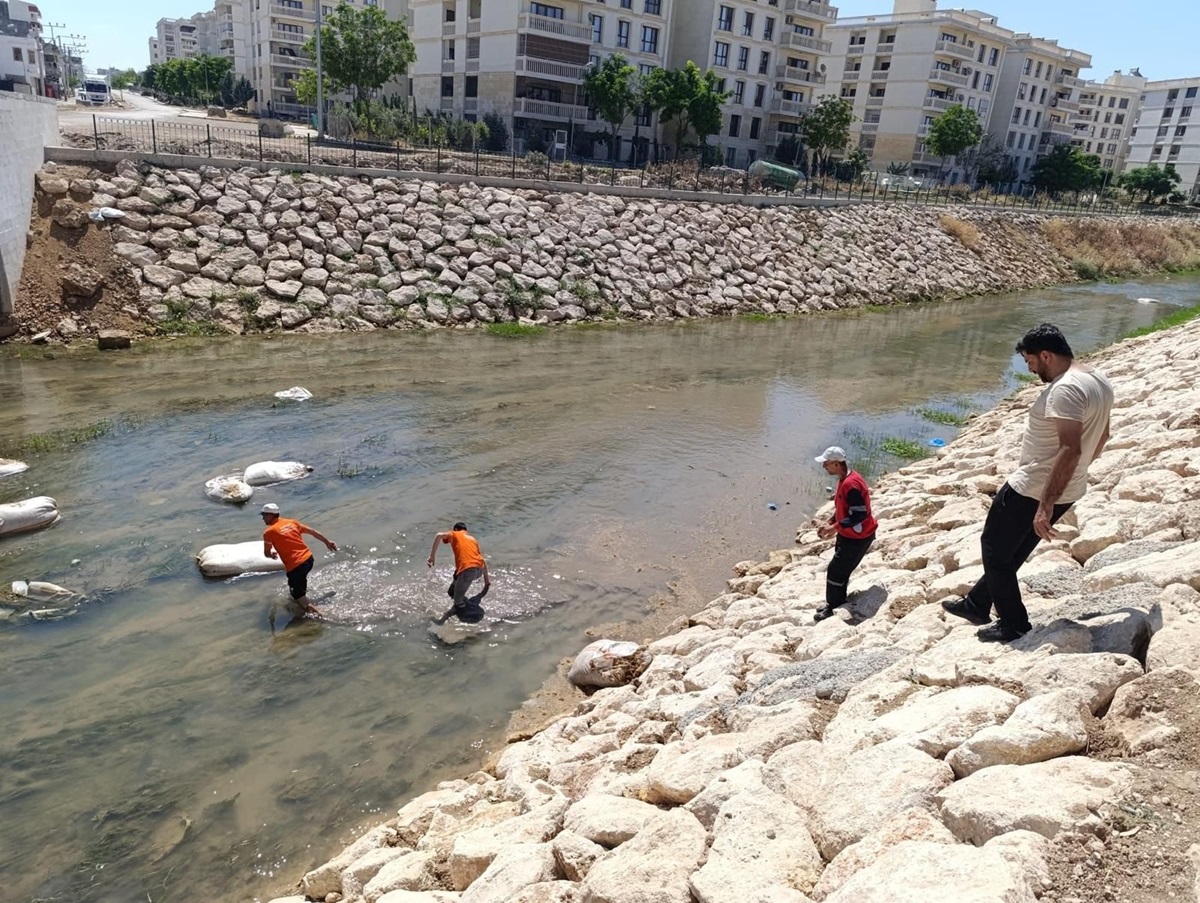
(78, 118)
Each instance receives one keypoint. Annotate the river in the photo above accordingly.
(161, 744)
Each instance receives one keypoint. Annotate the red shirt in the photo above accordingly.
(841, 505)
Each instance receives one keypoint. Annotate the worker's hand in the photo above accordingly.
(1041, 524)
(429, 561)
(331, 545)
(272, 554)
(826, 531)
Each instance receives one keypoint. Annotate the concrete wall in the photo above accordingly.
(27, 126)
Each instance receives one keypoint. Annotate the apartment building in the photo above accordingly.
(1038, 100)
(232, 33)
(154, 46)
(1107, 113)
(901, 71)
(525, 61)
(22, 67)
(769, 55)
(1167, 131)
(180, 39)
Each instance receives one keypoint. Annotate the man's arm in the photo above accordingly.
(1105, 436)
(487, 578)
(856, 509)
(332, 546)
(268, 549)
(1070, 450)
(433, 552)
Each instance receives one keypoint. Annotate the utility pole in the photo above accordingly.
(320, 81)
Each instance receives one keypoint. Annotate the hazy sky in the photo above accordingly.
(1154, 35)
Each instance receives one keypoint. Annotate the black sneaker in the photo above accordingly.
(823, 613)
(1000, 633)
(965, 608)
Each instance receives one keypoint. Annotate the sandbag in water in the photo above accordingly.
(230, 489)
(30, 514)
(264, 473)
(232, 559)
(608, 663)
(10, 468)
(40, 591)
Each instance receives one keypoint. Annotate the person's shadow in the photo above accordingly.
(296, 633)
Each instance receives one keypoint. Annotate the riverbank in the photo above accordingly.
(214, 252)
(885, 753)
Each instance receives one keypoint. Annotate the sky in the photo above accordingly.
(1156, 35)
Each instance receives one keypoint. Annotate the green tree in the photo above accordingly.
(610, 92)
(243, 92)
(827, 128)
(986, 162)
(304, 86)
(122, 80)
(687, 97)
(362, 50)
(852, 168)
(790, 151)
(1152, 180)
(953, 132)
(148, 76)
(497, 136)
(704, 110)
(1065, 168)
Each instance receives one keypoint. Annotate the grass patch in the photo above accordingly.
(347, 469)
(175, 326)
(756, 316)
(1086, 270)
(946, 418)
(514, 330)
(908, 449)
(1027, 378)
(57, 440)
(968, 236)
(1175, 318)
(1098, 248)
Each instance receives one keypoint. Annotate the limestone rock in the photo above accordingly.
(113, 339)
(513, 869)
(81, 280)
(576, 855)
(684, 769)
(1042, 728)
(68, 214)
(653, 867)
(608, 820)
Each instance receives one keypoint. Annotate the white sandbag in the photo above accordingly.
(295, 393)
(230, 489)
(31, 514)
(608, 663)
(264, 473)
(10, 468)
(40, 591)
(232, 559)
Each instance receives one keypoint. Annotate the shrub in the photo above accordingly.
(497, 133)
(966, 233)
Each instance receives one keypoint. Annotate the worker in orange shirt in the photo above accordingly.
(284, 539)
(469, 566)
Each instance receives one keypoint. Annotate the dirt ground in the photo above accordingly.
(41, 303)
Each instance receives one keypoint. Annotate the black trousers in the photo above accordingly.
(1008, 540)
(847, 555)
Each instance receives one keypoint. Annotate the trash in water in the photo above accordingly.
(771, 506)
(295, 393)
(937, 443)
(1148, 301)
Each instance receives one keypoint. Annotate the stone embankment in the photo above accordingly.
(244, 251)
(885, 754)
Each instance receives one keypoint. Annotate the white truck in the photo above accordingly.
(94, 91)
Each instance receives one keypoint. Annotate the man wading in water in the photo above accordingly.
(852, 523)
(284, 539)
(469, 566)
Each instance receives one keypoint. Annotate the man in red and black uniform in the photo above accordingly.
(852, 523)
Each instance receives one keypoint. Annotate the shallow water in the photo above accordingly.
(161, 744)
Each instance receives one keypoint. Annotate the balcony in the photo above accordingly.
(559, 28)
(879, 75)
(549, 69)
(855, 49)
(927, 158)
(473, 64)
(448, 67)
(870, 128)
(541, 109)
(449, 29)
(796, 74)
(937, 104)
(290, 62)
(811, 9)
(288, 37)
(778, 137)
(804, 42)
(955, 49)
(874, 102)
(782, 107)
(1069, 81)
(473, 26)
(1060, 129)
(1065, 104)
(290, 12)
(948, 77)
(923, 130)
(885, 48)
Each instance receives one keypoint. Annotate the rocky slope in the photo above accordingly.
(885, 754)
(214, 251)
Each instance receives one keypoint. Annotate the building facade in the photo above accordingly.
(1038, 101)
(903, 70)
(1107, 113)
(1167, 131)
(22, 65)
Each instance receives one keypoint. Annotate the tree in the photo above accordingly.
(790, 151)
(304, 86)
(953, 132)
(122, 80)
(148, 76)
(852, 168)
(362, 50)
(704, 109)
(243, 92)
(987, 162)
(497, 136)
(827, 128)
(898, 169)
(611, 94)
(688, 97)
(1153, 181)
(1066, 168)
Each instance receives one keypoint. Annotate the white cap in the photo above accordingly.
(833, 453)
(270, 508)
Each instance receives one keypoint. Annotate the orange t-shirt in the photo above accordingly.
(466, 550)
(285, 535)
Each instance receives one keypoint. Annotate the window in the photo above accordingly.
(1111, 102)
(653, 7)
(371, 2)
(626, 4)
(597, 29)
(1028, 116)
(1043, 100)
(1168, 112)
(751, 155)
(622, 33)
(448, 50)
(731, 157)
(1112, 148)
(1173, 94)
(1021, 142)
(1180, 131)
(1037, 120)
(1012, 138)
(1157, 152)
(1185, 112)
(1116, 133)
(987, 82)
(447, 86)
(975, 80)
(1038, 72)
(1124, 103)
(764, 62)
(1025, 70)
(1016, 115)
(739, 92)
(542, 9)
(748, 25)
(1175, 148)
(725, 18)
(1022, 90)
(645, 69)
(1119, 119)
(755, 128)
(644, 114)
(472, 86)
(721, 54)
(1108, 117)
(994, 56)
(1104, 133)
(769, 29)
(735, 126)
(743, 62)
(982, 51)
(760, 95)
(649, 37)
(1189, 93)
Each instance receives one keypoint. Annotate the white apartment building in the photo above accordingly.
(22, 67)
(1107, 113)
(154, 45)
(1038, 100)
(232, 34)
(1168, 131)
(177, 38)
(901, 71)
(769, 55)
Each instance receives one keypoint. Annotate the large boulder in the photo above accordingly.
(1042, 728)
(685, 768)
(609, 820)
(653, 867)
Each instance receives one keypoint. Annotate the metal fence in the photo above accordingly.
(244, 141)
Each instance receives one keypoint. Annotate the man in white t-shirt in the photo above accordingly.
(1066, 430)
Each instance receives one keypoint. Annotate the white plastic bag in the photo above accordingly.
(40, 591)
(608, 663)
(31, 514)
(295, 393)
(232, 489)
(264, 473)
(10, 468)
(231, 559)
(100, 214)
